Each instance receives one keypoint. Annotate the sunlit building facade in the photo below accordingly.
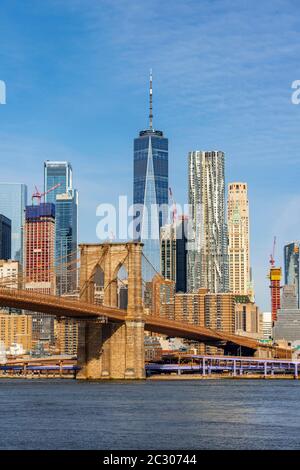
(39, 239)
(238, 239)
(291, 267)
(208, 243)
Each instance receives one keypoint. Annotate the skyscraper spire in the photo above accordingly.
(150, 108)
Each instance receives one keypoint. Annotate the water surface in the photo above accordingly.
(204, 414)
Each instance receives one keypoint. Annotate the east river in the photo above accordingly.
(149, 415)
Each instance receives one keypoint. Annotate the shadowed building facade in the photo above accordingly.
(173, 253)
(5, 238)
(13, 200)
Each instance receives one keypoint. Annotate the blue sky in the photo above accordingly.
(77, 75)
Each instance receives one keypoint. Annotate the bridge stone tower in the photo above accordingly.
(112, 350)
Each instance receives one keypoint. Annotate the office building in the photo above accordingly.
(291, 267)
(208, 246)
(39, 237)
(16, 329)
(287, 326)
(247, 317)
(173, 251)
(10, 273)
(66, 242)
(59, 175)
(238, 239)
(150, 191)
(5, 237)
(215, 311)
(289, 298)
(39, 248)
(266, 325)
(13, 200)
(67, 336)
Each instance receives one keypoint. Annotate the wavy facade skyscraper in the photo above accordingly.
(208, 243)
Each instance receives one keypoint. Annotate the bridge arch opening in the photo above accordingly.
(122, 287)
(98, 283)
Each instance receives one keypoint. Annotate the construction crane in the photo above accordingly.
(38, 196)
(275, 281)
(174, 209)
(272, 255)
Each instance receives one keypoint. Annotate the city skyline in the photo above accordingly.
(149, 230)
(240, 104)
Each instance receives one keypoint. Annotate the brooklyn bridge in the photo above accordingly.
(111, 339)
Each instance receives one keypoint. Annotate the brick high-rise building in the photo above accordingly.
(239, 240)
(39, 238)
(39, 248)
(16, 329)
(247, 317)
(202, 308)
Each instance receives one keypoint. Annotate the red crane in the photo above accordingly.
(37, 195)
(275, 280)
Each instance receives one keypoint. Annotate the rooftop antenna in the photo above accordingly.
(150, 96)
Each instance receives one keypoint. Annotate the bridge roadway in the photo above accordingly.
(61, 307)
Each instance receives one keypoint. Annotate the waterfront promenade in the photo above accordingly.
(174, 366)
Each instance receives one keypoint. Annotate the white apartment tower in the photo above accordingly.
(239, 242)
(208, 242)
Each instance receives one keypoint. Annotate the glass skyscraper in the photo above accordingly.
(291, 267)
(65, 199)
(5, 237)
(57, 173)
(150, 190)
(13, 200)
(66, 241)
